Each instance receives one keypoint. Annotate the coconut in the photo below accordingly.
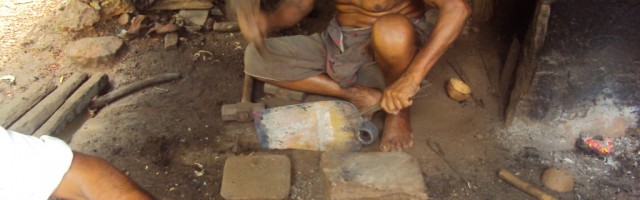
(558, 179)
(458, 90)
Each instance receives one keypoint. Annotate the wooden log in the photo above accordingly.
(18, 106)
(39, 114)
(76, 103)
(523, 185)
(182, 5)
(128, 89)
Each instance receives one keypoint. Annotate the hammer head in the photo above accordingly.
(241, 112)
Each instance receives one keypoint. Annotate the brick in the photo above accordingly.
(379, 175)
(256, 177)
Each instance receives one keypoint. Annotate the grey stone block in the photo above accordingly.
(378, 175)
(256, 177)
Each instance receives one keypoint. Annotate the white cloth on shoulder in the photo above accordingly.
(31, 168)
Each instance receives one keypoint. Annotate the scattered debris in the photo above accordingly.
(199, 169)
(171, 41)
(200, 54)
(162, 29)
(9, 78)
(112, 8)
(136, 24)
(124, 19)
(558, 179)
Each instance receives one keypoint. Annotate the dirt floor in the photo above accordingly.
(161, 135)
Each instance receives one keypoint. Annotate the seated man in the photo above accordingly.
(35, 169)
(370, 46)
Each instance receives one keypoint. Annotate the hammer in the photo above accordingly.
(242, 112)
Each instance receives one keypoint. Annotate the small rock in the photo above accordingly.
(558, 179)
(256, 177)
(87, 51)
(226, 26)
(378, 175)
(194, 17)
(215, 11)
(171, 41)
(77, 16)
(124, 19)
(192, 29)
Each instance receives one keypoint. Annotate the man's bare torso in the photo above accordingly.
(363, 13)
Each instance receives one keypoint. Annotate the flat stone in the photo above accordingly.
(215, 11)
(87, 51)
(378, 175)
(194, 17)
(77, 16)
(171, 41)
(256, 177)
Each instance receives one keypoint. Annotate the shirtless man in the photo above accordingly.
(368, 41)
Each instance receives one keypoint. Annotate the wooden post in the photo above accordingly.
(76, 103)
(24, 102)
(31, 121)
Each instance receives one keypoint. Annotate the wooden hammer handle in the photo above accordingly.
(511, 178)
(247, 89)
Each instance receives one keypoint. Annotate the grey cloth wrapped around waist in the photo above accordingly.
(343, 53)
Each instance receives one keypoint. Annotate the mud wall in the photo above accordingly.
(587, 73)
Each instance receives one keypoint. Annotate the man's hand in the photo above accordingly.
(397, 96)
(252, 21)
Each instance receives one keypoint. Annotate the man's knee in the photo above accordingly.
(391, 30)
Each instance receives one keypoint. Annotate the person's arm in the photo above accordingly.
(91, 177)
(255, 23)
(453, 14)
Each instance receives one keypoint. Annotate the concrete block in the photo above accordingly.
(378, 175)
(256, 177)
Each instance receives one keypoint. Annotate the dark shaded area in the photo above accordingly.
(590, 54)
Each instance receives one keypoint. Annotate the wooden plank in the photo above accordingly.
(39, 114)
(182, 5)
(506, 76)
(23, 103)
(76, 103)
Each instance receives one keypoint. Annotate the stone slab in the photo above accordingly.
(195, 17)
(378, 175)
(256, 177)
(87, 51)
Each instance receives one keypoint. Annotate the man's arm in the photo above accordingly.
(255, 23)
(91, 177)
(453, 14)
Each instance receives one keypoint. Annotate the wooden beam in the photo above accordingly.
(76, 103)
(31, 121)
(18, 106)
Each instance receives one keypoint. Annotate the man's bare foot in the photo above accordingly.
(363, 97)
(397, 135)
